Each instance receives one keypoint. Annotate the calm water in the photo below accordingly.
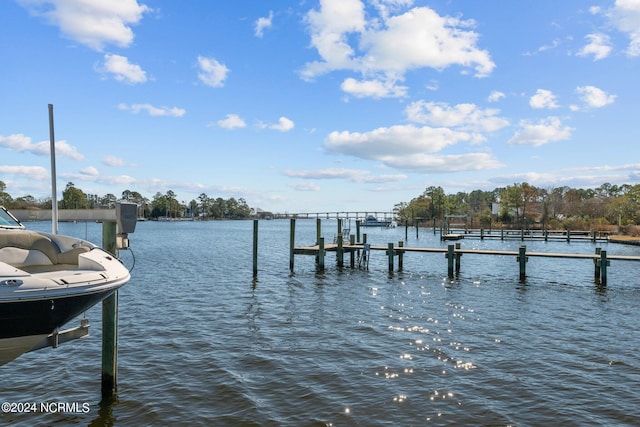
(202, 343)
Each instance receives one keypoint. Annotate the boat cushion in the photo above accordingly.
(22, 249)
(19, 257)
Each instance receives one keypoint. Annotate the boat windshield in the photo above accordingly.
(7, 220)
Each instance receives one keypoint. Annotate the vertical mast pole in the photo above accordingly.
(54, 191)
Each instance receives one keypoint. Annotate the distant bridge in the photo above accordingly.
(336, 214)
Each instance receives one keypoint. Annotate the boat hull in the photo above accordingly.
(24, 324)
(11, 348)
(43, 316)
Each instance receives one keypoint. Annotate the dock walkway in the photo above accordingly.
(453, 252)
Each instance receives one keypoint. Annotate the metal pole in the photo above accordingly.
(54, 191)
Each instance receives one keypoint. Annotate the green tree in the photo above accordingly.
(108, 200)
(438, 206)
(5, 199)
(172, 204)
(159, 206)
(73, 198)
(204, 204)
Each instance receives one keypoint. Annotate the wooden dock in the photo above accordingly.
(522, 235)
(453, 253)
(356, 247)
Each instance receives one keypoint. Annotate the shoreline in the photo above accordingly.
(627, 240)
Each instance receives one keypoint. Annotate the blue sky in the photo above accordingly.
(306, 106)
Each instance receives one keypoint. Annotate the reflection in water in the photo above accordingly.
(105, 416)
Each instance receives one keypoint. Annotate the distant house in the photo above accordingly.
(264, 215)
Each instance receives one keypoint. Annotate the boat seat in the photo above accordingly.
(25, 249)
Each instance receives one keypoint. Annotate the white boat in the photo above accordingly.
(46, 280)
(372, 221)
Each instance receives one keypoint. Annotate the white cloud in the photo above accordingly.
(284, 125)
(353, 175)
(305, 186)
(212, 73)
(233, 121)
(599, 46)
(462, 116)
(540, 133)
(384, 48)
(410, 148)
(594, 97)
(495, 96)
(543, 99)
(91, 23)
(91, 174)
(36, 173)
(115, 161)
(422, 38)
(90, 171)
(124, 71)
(153, 111)
(373, 88)
(262, 24)
(428, 163)
(625, 15)
(330, 27)
(20, 142)
(384, 143)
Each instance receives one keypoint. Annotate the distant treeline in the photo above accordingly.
(522, 205)
(160, 206)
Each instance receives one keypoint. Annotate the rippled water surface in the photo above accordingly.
(203, 343)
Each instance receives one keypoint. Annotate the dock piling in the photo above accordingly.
(450, 259)
(458, 256)
(340, 242)
(522, 259)
(321, 254)
(603, 268)
(255, 248)
(109, 322)
(292, 238)
(453, 253)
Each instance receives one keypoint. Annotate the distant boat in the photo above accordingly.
(45, 281)
(372, 221)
